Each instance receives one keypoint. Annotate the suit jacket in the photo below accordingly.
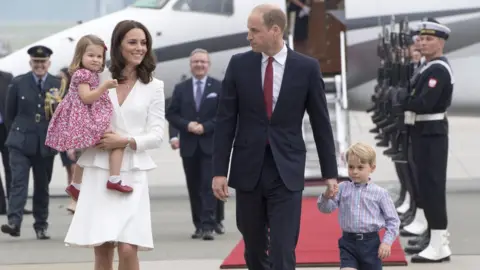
(5, 80)
(142, 117)
(25, 114)
(182, 111)
(173, 132)
(242, 120)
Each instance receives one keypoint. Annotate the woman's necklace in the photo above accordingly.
(129, 84)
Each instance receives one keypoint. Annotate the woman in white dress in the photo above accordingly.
(106, 219)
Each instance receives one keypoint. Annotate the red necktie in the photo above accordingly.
(268, 87)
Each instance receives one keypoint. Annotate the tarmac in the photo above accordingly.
(172, 224)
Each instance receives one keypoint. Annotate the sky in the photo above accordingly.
(54, 10)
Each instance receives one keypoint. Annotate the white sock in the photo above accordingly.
(114, 178)
(77, 186)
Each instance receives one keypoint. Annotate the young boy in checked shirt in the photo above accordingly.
(364, 209)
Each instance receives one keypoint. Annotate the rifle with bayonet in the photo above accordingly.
(384, 116)
(398, 152)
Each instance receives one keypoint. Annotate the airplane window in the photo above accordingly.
(157, 4)
(220, 7)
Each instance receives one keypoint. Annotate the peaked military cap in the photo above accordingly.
(39, 52)
(432, 27)
(414, 32)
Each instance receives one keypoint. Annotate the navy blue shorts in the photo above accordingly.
(360, 251)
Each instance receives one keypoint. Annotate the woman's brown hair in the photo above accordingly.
(80, 49)
(117, 62)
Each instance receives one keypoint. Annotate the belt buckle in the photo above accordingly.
(37, 118)
(359, 236)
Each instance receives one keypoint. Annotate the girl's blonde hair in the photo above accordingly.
(80, 51)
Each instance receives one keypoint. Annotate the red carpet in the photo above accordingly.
(318, 242)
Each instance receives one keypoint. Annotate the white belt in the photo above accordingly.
(429, 117)
(411, 117)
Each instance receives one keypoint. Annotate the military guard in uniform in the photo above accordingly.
(31, 99)
(425, 114)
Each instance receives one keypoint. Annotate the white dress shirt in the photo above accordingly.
(278, 68)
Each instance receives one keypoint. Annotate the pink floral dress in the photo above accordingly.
(76, 125)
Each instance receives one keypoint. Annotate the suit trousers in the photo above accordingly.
(269, 219)
(20, 165)
(430, 154)
(4, 193)
(203, 204)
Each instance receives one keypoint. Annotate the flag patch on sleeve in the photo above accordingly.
(432, 83)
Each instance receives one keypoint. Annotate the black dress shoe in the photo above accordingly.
(407, 218)
(42, 234)
(27, 212)
(208, 236)
(419, 259)
(219, 229)
(418, 239)
(405, 233)
(407, 221)
(423, 244)
(197, 234)
(12, 230)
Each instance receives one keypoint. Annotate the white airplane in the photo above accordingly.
(219, 26)
(179, 26)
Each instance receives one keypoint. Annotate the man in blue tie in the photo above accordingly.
(192, 113)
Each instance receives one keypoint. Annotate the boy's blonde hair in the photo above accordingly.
(80, 49)
(364, 152)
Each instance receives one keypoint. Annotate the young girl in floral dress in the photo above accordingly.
(85, 113)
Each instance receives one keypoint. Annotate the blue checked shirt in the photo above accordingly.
(363, 208)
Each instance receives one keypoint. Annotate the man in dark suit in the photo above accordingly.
(265, 94)
(192, 113)
(5, 79)
(27, 116)
(174, 135)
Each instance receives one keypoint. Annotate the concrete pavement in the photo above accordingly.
(175, 250)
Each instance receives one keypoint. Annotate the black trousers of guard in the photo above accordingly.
(406, 173)
(411, 178)
(430, 154)
(271, 205)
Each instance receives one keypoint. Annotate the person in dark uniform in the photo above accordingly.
(192, 112)
(31, 98)
(300, 32)
(5, 80)
(425, 114)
